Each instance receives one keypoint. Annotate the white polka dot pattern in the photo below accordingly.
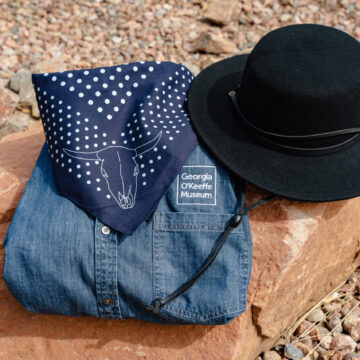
(113, 132)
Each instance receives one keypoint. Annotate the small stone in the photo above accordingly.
(21, 82)
(303, 326)
(329, 307)
(343, 342)
(316, 316)
(302, 347)
(345, 309)
(331, 3)
(207, 62)
(321, 350)
(308, 342)
(20, 120)
(355, 334)
(338, 355)
(351, 356)
(321, 332)
(8, 102)
(192, 67)
(213, 44)
(285, 17)
(221, 12)
(352, 322)
(116, 39)
(326, 341)
(334, 322)
(271, 355)
(292, 352)
(348, 287)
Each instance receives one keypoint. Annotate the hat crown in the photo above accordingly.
(302, 80)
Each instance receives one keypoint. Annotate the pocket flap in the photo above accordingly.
(190, 221)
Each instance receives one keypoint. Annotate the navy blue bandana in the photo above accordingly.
(117, 136)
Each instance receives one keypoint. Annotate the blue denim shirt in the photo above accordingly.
(61, 260)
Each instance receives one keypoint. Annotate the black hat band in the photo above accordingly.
(263, 135)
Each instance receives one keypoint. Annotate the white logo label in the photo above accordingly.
(196, 185)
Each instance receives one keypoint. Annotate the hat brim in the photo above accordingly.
(319, 178)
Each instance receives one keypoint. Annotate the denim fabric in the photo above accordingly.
(61, 260)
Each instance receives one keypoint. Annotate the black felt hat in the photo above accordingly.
(286, 117)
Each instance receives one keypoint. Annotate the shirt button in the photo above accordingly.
(107, 301)
(105, 230)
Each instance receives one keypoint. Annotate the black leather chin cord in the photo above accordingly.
(264, 136)
(233, 223)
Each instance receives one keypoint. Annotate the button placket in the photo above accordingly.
(106, 271)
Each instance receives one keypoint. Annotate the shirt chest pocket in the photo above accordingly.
(182, 241)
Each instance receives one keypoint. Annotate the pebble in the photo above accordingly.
(330, 308)
(345, 309)
(348, 287)
(316, 316)
(351, 356)
(343, 342)
(195, 69)
(334, 322)
(303, 348)
(326, 341)
(352, 322)
(321, 332)
(271, 355)
(303, 326)
(338, 355)
(322, 350)
(8, 102)
(292, 352)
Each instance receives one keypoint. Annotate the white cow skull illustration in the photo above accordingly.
(114, 164)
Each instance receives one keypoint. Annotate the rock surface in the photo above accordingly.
(18, 153)
(296, 261)
(8, 101)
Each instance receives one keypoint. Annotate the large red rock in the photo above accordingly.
(18, 153)
(300, 252)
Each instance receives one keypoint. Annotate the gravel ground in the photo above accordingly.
(83, 34)
(329, 331)
(45, 36)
